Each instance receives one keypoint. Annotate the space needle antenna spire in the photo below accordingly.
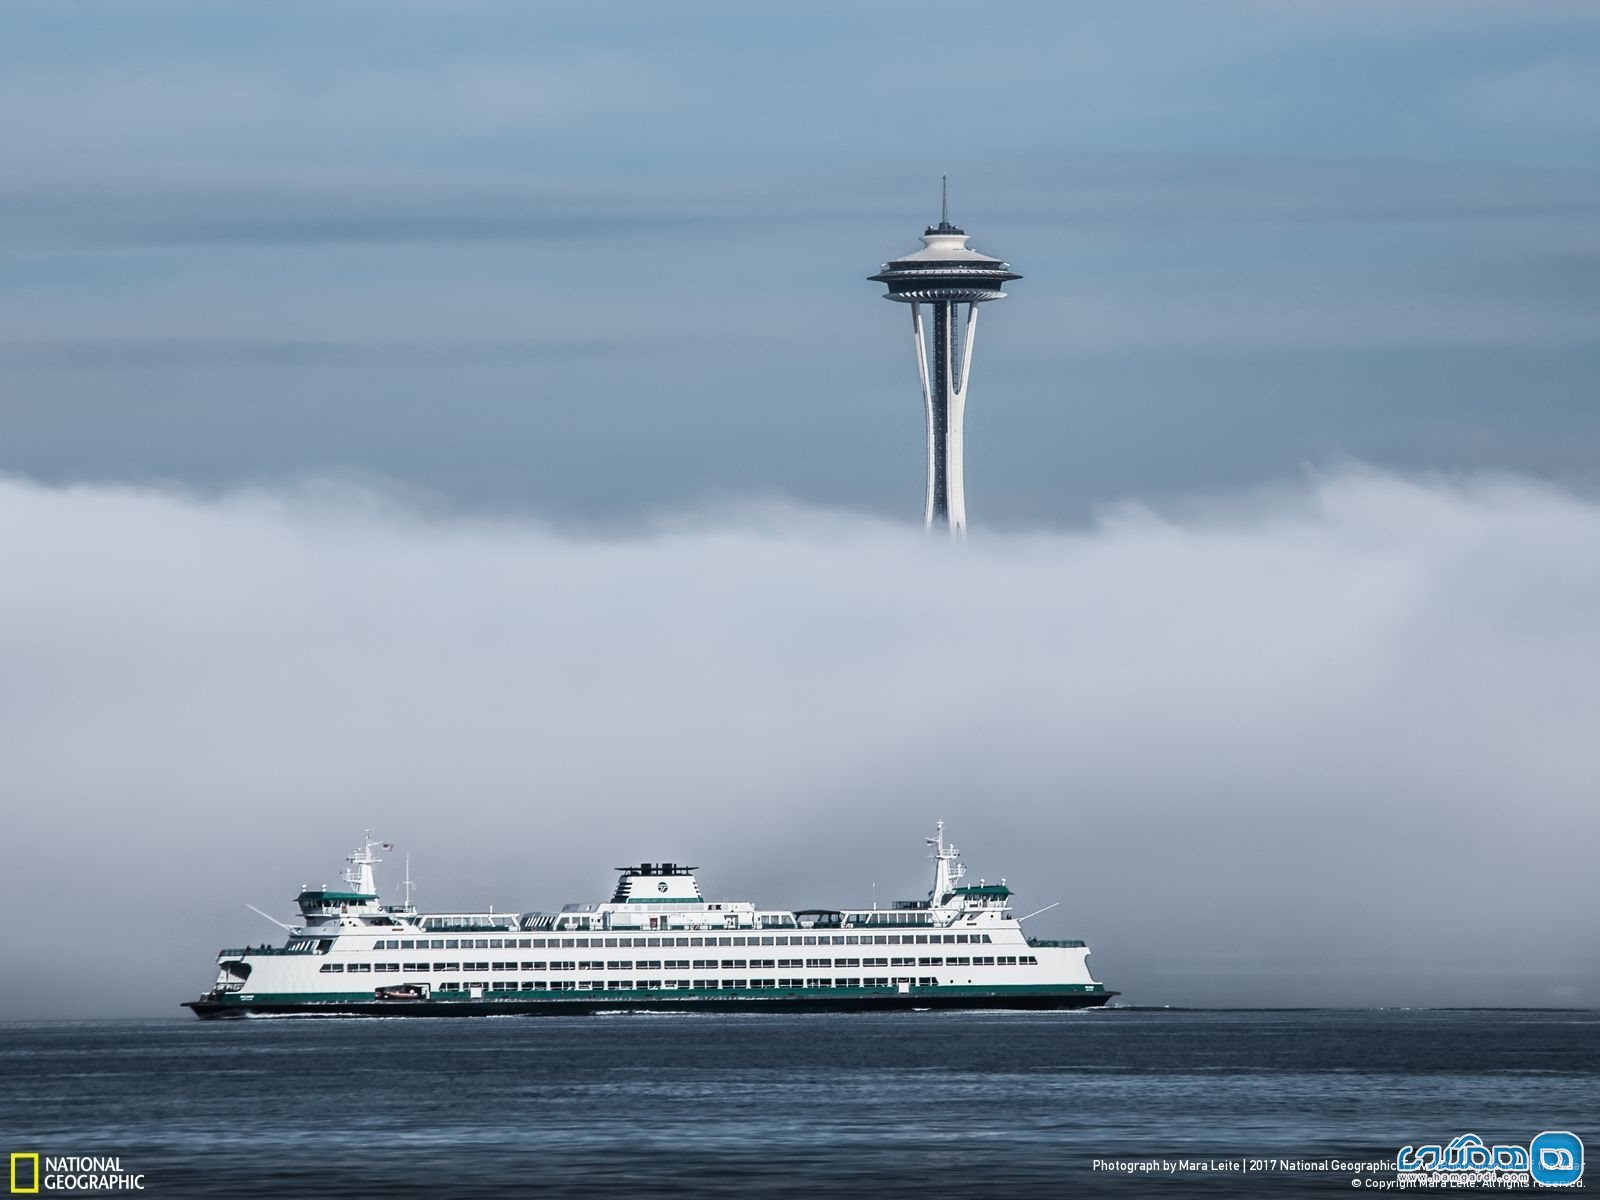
(944, 275)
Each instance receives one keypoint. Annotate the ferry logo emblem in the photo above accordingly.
(1555, 1158)
(31, 1189)
(662, 886)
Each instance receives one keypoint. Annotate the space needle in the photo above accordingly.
(945, 274)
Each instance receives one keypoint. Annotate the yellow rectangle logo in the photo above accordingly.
(34, 1187)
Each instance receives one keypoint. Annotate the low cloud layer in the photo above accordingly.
(1326, 744)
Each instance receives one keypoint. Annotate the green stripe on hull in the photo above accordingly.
(1066, 995)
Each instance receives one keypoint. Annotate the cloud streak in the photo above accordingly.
(1324, 744)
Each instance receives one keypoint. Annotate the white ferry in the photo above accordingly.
(657, 944)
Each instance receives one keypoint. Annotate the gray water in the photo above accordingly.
(925, 1104)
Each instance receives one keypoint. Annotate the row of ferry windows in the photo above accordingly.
(685, 984)
(705, 985)
(698, 964)
(596, 943)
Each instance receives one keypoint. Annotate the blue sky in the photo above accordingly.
(591, 263)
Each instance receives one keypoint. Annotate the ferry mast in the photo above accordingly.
(944, 275)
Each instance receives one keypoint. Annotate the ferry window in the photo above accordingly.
(847, 962)
(522, 943)
(819, 962)
(622, 965)
(681, 964)
(922, 939)
(611, 941)
(408, 944)
(880, 940)
(766, 941)
(984, 936)
(533, 966)
(790, 963)
(902, 962)
(1029, 960)
(697, 941)
(722, 941)
(733, 964)
(683, 941)
(811, 941)
(875, 962)
(452, 943)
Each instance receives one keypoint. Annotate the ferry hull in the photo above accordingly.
(586, 1006)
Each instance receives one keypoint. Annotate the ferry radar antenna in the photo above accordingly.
(359, 873)
(947, 868)
(408, 882)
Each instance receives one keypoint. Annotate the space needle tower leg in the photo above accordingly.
(955, 437)
(930, 409)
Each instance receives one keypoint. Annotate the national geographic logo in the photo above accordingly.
(24, 1174)
(32, 1173)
